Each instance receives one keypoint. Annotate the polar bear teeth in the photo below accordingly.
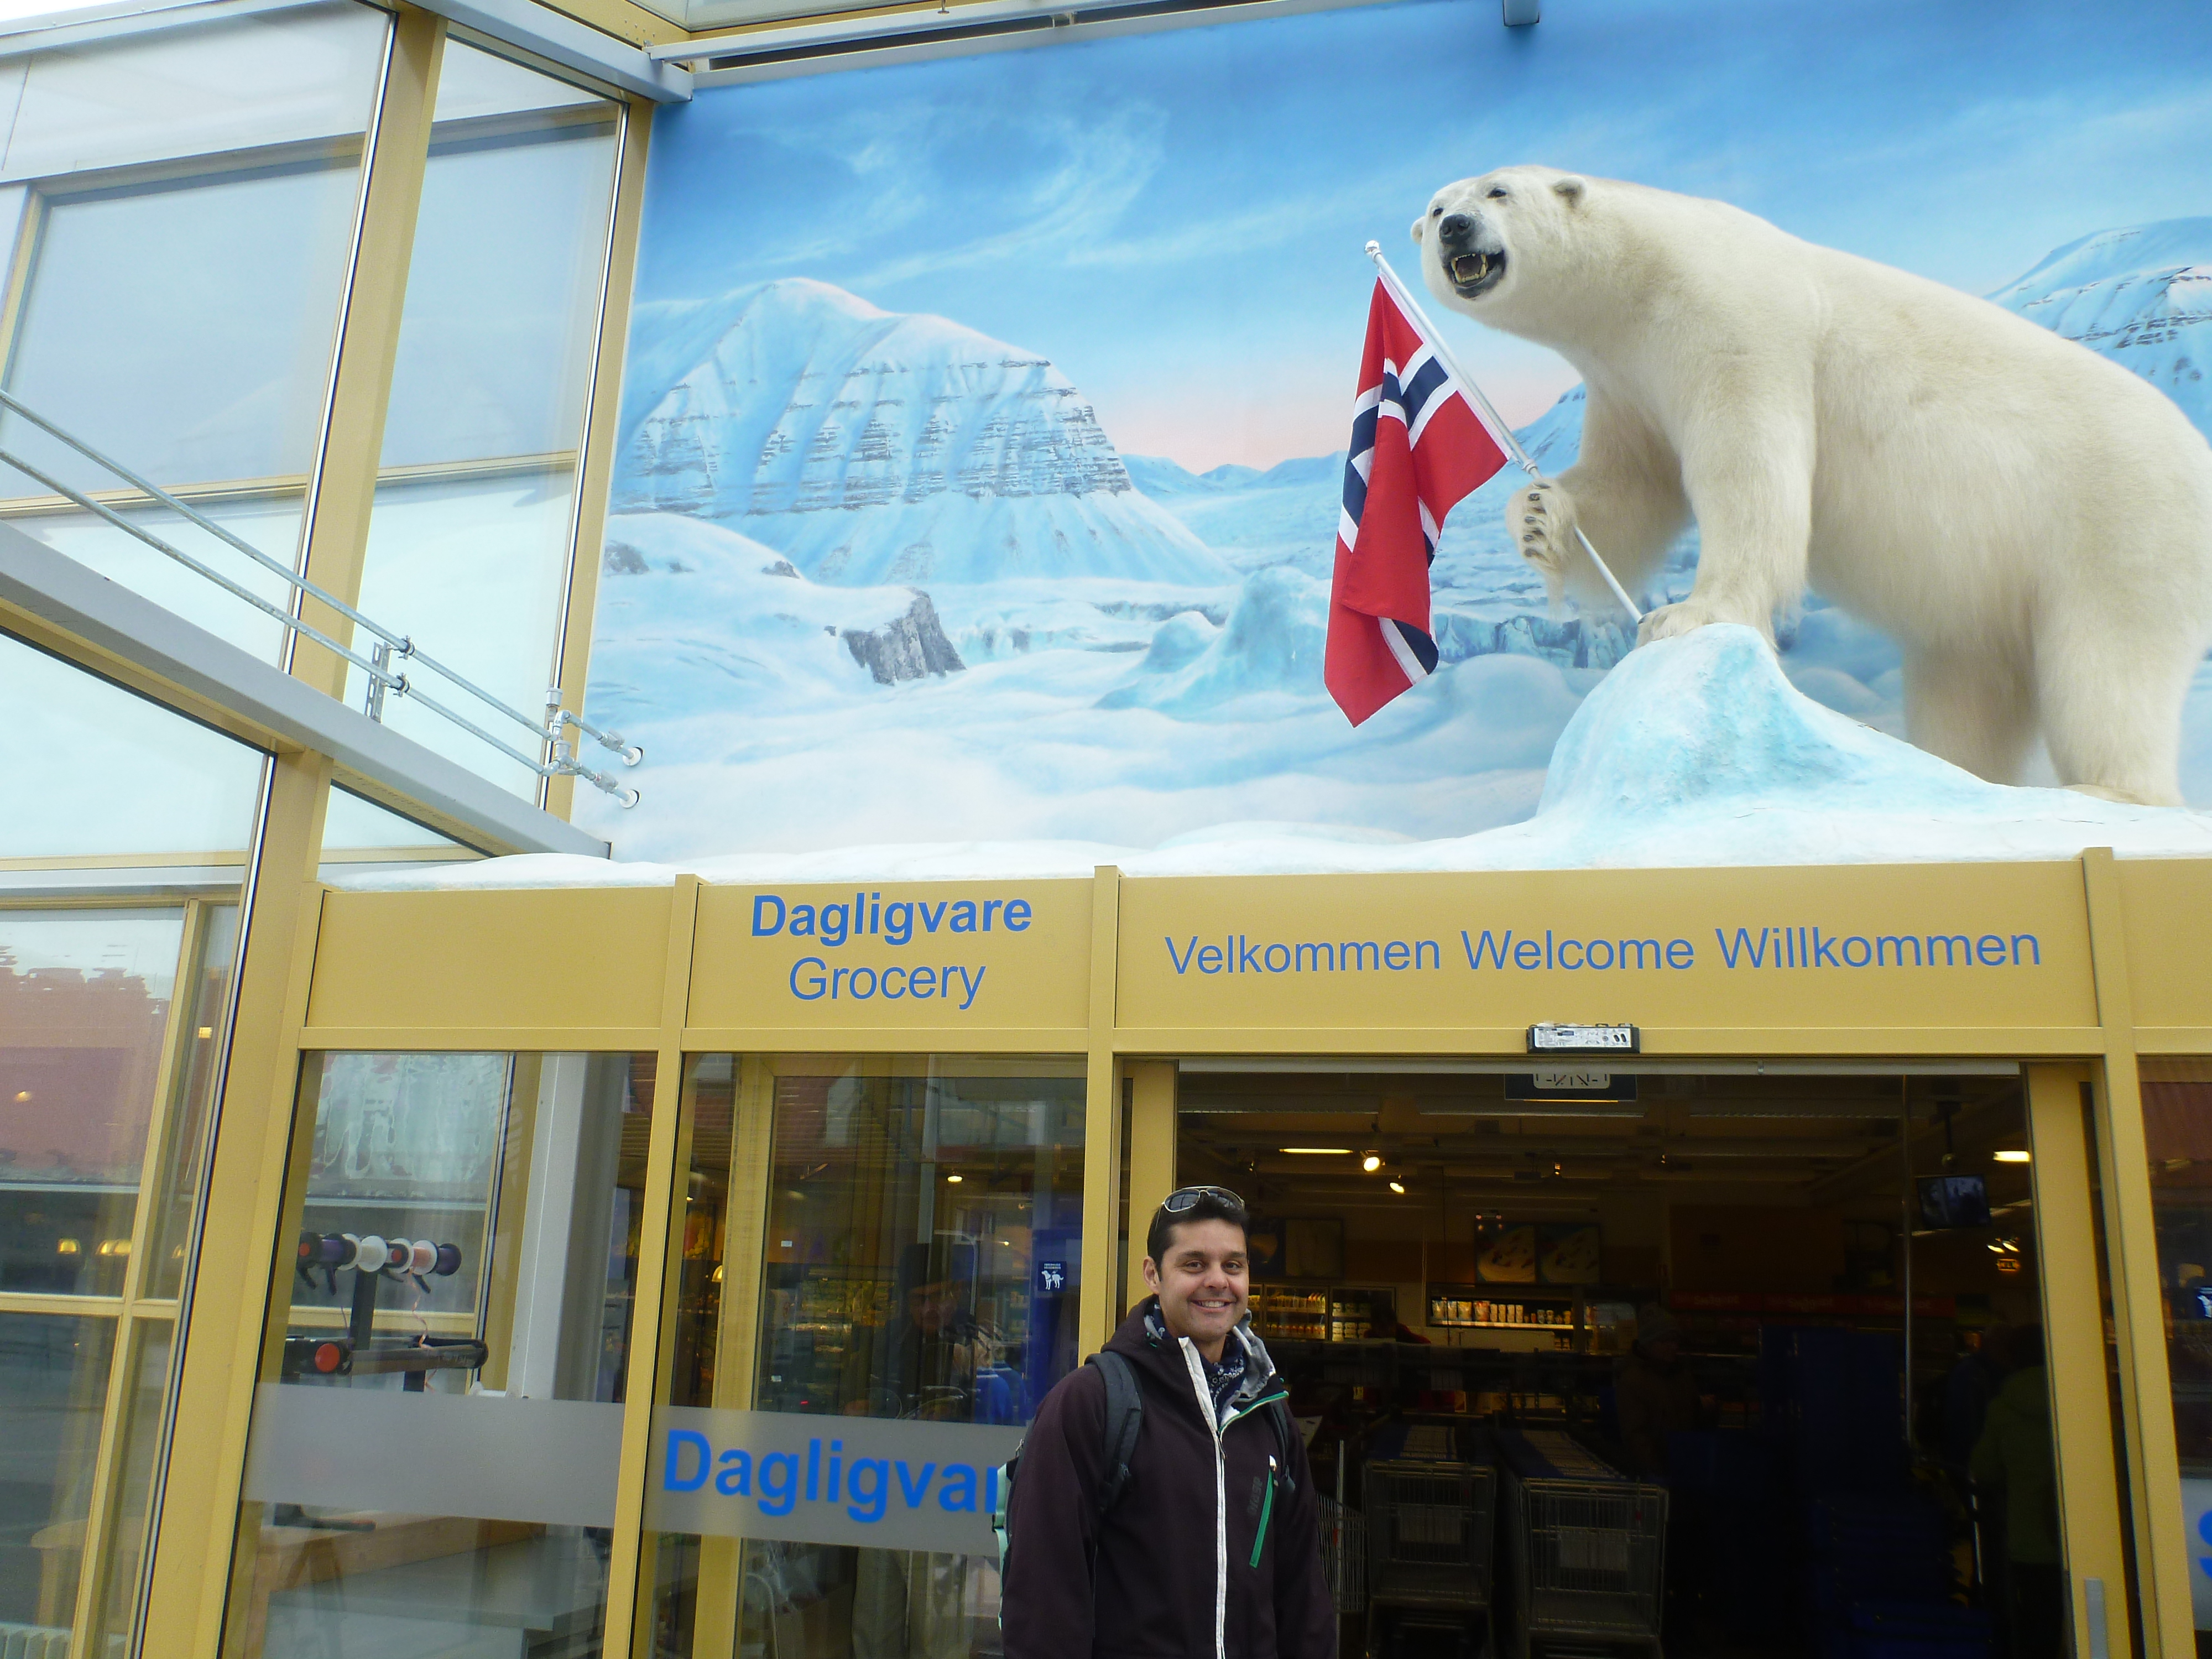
(1470, 268)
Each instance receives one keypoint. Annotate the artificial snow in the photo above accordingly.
(1695, 751)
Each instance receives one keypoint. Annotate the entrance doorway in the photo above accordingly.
(1601, 1362)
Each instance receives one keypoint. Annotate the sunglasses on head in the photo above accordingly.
(1184, 1197)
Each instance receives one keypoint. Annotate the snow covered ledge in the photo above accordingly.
(1694, 751)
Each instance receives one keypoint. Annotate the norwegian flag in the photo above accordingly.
(1418, 449)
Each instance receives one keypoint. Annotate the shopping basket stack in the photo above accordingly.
(1431, 1504)
(1344, 1555)
(1589, 1548)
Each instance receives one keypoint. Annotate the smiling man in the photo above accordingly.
(1200, 1537)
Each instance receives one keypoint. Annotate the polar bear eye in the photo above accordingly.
(1437, 212)
(1497, 193)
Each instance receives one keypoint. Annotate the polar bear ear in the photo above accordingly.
(1420, 225)
(1570, 187)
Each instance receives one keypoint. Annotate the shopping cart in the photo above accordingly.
(1431, 1504)
(1344, 1555)
(1589, 1549)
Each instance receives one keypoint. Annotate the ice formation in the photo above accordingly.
(1695, 751)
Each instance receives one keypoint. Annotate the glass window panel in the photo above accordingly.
(210, 287)
(910, 1203)
(169, 1228)
(84, 1006)
(103, 775)
(53, 1387)
(361, 838)
(399, 1497)
(2177, 1111)
(141, 1431)
(469, 543)
(277, 78)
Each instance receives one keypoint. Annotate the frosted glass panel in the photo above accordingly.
(103, 772)
(223, 337)
(468, 550)
(284, 77)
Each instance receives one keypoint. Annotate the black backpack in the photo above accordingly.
(1125, 1417)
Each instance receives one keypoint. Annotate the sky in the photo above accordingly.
(1177, 219)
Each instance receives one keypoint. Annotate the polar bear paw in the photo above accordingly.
(1684, 616)
(1540, 520)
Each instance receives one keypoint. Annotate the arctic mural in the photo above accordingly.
(979, 472)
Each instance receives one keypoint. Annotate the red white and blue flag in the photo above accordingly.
(1418, 449)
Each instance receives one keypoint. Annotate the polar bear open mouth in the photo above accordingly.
(1475, 271)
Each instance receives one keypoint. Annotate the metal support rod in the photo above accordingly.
(1491, 417)
(376, 666)
(402, 643)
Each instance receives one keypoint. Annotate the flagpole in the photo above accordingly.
(1498, 429)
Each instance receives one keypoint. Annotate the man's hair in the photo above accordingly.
(1208, 1207)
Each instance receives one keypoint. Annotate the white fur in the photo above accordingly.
(2030, 522)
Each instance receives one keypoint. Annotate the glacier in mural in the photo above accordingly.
(879, 577)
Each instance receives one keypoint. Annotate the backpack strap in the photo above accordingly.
(1125, 1416)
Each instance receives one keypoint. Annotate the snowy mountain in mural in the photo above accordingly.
(2141, 296)
(870, 448)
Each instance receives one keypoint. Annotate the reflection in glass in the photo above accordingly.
(2177, 1108)
(912, 1207)
(474, 512)
(84, 1005)
(468, 1236)
(103, 774)
(169, 1226)
(235, 149)
(141, 1432)
(53, 1385)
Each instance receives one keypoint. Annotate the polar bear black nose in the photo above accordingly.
(1456, 227)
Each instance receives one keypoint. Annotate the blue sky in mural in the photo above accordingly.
(1175, 220)
(877, 578)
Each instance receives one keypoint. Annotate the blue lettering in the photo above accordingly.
(1689, 953)
(1744, 946)
(1495, 948)
(1590, 951)
(1396, 956)
(930, 918)
(1017, 916)
(922, 981)
(778, 1483)
(990, 905)
(858, 995)
(964, 916)
(1571, 966)
(1528, 954)
(1436, 953)
(1824, 953)
(813, 1471)
(867, 1489)
(1182, 963)
(761, 902)
(898, 922)
(955, 1493)
(681, 1440)
(974, 984)
(1991, 950)
(2035, 949)
(1267, 956)
(1209, 959)
(802, 921)
(891, 996)
(914, 1489)
(836, 916)
(734, 1479)
(813, 979)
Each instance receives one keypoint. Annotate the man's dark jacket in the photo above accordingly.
(1184, 1568)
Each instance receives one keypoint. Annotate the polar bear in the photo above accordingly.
(2030, 522)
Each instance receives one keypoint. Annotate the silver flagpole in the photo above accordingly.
(1498, 429)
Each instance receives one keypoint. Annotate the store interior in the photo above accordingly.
(1602, 1360)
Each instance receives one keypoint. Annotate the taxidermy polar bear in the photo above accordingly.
(2029, 521)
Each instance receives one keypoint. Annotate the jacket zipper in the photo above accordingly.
(1266, 1509)
(1220, 1499)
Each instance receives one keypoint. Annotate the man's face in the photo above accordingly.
(933, 1307)
(1203, 1284)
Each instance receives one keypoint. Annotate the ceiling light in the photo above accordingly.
(2010, 1155)
(1318, 1152)
(1371, 1162)
(953, 1179)
(1398, 1187)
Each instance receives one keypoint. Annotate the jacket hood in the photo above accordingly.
(1143, 1339)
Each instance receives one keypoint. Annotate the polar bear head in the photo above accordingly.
(1487, 243)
